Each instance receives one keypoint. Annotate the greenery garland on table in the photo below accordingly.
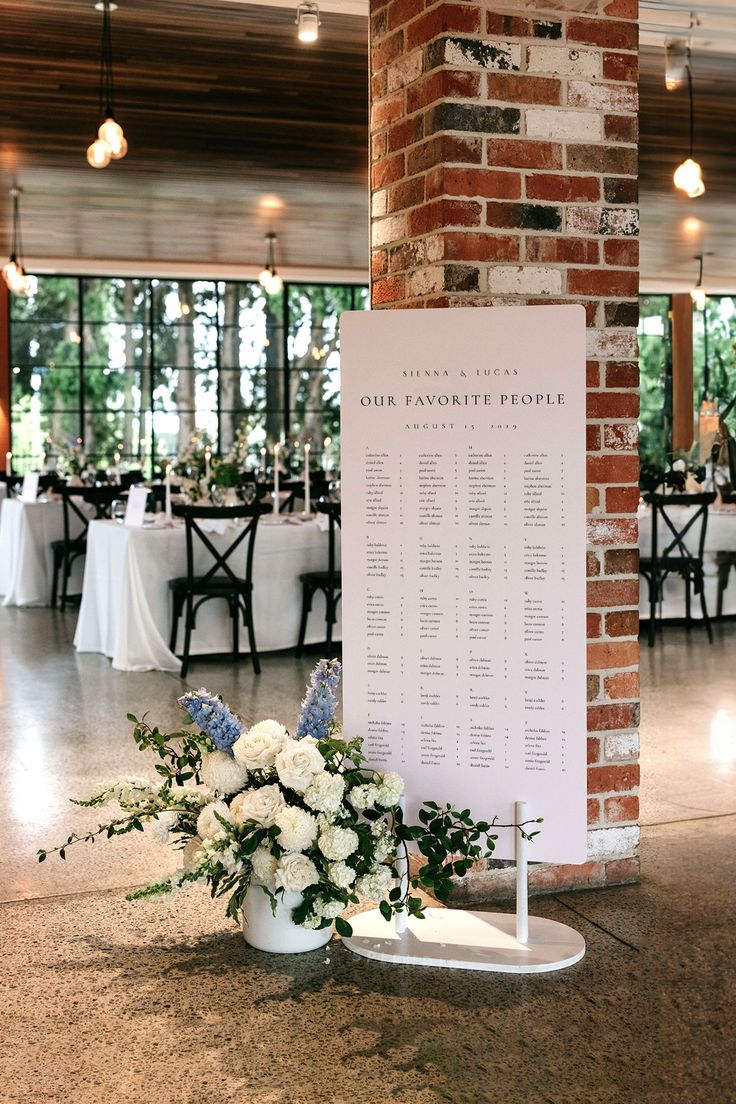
(291, 814)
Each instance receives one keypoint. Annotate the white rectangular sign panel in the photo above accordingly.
(135, 509)
(29, 487)
(463, 559)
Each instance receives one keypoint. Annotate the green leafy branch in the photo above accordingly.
(180, 761)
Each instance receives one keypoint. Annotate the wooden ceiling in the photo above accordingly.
(224, 110)
(221, 106)
(674, 228)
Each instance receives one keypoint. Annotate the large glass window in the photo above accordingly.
(137, 366)
(714, 369)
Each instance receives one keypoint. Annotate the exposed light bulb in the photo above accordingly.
(307, 20)
(275, 284)
(688, 178)
(264, 277)
(112, 133)
(99, 154)
(698, 296)
(12, 272)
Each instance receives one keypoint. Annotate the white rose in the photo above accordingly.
(376, 884)
(260, 805)
(264, 867)
(222, 774)
(341, 875)
(298, 828)
(208, 826)
(298, 762)
(192, 854)
(295, 872)
(338, 843)
(325, 792)
(257, 748)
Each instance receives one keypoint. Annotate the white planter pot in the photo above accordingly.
(230, 498)
(278, 934)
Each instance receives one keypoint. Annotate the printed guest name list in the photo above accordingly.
(463, 540)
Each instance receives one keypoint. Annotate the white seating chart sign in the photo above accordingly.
(463, 537)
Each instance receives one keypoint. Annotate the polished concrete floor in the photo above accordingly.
(104, 1002)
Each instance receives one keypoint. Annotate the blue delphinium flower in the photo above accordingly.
(318, 708)
(215, 718)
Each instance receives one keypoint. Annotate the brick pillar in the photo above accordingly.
(504, 170)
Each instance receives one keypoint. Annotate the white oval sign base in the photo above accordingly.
(463, 940)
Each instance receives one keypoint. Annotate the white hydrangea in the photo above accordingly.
(341, 875)
(298, 762)
(222, 774)
(264, 867)
(260, 805)
(257, 748)
(192, 854)
(390, 789)
(208, 826)
(363, 797)
(325, 792)
(385, 844)
(338, 843)
(298, 828)
(311, 921)
(328, 909)
(376, 884)
(162, 825)
(295, 872)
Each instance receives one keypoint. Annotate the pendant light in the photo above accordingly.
(14, 274)
(269, 278)
(675, 62)
(110, 143)
(689, 175)
(698, 293)
(307, 21)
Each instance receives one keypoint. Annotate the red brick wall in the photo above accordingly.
(504, 169)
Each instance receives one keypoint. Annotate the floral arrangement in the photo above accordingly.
(72, 459)
(291, 814)
(683, 474)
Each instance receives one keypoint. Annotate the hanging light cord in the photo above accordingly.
(17, 245)
(692, 104)
(107, 86)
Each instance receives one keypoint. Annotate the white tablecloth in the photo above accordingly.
(126, 603)
(26, 532)
(720, 536)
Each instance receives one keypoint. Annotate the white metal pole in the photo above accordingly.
(522, 885)
(402, 866)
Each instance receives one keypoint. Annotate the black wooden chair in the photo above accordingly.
(46, 482)
(13, 483)
(222, 581)
(329, 582)
(130, 478)
(725, 560)
(292, 488)
(76, 521)
(675, 558)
